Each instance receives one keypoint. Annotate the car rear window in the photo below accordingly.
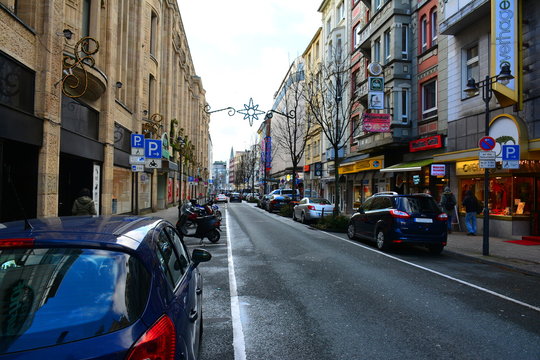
(55, 295)
(320, 201)
(417, 204)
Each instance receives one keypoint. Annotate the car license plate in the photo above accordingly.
(422, 220)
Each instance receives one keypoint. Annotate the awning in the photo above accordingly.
(373, 163)
(408, 166)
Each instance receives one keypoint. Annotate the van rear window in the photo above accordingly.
(55, 295)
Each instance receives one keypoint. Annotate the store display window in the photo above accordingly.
(508, 196)
(145, 190)
(121, 200)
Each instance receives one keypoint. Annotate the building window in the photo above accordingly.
(340, 12)
(357, 128)
(328, 26)
(471, 68)
(17, 85)
(339, 50)
(387, 46)
(151, 95)
(356, 36)
(404, 41)
(85, 28)
(377, 50)
(153, 33)
(404, 105)
(434, 25)
(423, 34)
(429, 99)
(378, 4)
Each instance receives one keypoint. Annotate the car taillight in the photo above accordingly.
(17, 243)
(442, 217)
(311, 207)
(273, 201)
(158, 342)
(399, 214)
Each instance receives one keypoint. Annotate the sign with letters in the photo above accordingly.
(152, 148)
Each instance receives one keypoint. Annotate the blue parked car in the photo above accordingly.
(390, 219)
(112, 287)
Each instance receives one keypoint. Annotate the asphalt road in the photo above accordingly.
(276, 289)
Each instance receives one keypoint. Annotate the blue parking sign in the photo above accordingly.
(510, 152)
(152, 149)
(137, 141)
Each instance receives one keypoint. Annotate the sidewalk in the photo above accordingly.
(516, 256)
(513, 255)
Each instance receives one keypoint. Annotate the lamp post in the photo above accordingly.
(487, 93)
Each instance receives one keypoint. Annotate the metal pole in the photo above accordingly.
(487, 97)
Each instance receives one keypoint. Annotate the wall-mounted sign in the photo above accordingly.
(376, 100)
(431, 142)
(438, 169)
(376, 122)
(376, 83)
(306, 168)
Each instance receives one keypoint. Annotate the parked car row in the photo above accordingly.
(386, 218)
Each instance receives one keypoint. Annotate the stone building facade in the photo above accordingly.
(78, 78)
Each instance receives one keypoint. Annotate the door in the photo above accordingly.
(75, 174)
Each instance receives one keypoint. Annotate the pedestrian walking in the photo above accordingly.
(84, 205)
(470, 202)
(448, 203)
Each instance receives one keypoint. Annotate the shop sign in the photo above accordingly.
(306, 168)
(438, 169)
(431, 142)
(376, 100)
(416, 179)
(376, 83)
(505, 48)
(376, 122)
(468, 168)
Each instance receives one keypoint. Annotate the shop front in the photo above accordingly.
(513, 195)
(363, 174)
(416, 177)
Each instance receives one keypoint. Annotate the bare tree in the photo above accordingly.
(291, 127)
(329, 106)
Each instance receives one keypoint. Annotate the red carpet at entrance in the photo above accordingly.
(526, 240)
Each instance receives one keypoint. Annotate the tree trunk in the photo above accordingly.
(336, 182)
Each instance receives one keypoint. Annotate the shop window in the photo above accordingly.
(17, 87)
(121, 198)
(508, 196)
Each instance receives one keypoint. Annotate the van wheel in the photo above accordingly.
(435, 249)
(382, 242)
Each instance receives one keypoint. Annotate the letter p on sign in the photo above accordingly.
(510, 152)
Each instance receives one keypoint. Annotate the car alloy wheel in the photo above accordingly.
(350, 231)
(382, 243)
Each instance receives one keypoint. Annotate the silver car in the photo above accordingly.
(309, 209)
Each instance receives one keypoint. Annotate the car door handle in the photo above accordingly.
(193, 315)
(198, 291)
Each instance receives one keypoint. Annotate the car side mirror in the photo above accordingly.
(361, 210)
(200, 255)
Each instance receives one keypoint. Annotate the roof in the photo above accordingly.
(125, 231)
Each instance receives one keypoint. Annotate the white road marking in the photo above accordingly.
(532, 307)
(239, 344)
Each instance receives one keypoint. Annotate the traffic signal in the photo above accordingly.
(318, 169)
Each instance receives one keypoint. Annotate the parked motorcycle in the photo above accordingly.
(192, 222)
(210, 208)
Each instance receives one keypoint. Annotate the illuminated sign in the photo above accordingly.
(432, 142)
(505, 44)
(376, 122)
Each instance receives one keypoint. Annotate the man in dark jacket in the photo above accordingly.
(84, 205)
(470, 202)
(448, 202)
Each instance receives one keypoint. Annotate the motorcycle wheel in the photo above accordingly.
(213, 236)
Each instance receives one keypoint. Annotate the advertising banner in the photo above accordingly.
(376, 122)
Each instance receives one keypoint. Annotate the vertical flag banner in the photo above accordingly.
(505, 47)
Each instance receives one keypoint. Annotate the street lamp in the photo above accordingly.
(487, 93)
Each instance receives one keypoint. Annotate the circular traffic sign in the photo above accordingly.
(487, 143)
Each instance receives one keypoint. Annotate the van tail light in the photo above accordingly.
(399, 214)
(158, 342)
(311, 207)
(17, 243)
(442, 217)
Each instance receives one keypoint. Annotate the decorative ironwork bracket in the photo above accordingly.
(251, 112)
(153, 125)
(88, 47)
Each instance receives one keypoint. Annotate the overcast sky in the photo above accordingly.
(242, 49)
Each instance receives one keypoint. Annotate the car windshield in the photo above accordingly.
(417, 204)
(320, 201)
(55, 295)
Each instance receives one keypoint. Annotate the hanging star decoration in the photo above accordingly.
(251, 112)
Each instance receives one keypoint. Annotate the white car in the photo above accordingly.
(221, 198)
(309, 209)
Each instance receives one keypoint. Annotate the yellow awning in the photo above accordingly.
(374, 163)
